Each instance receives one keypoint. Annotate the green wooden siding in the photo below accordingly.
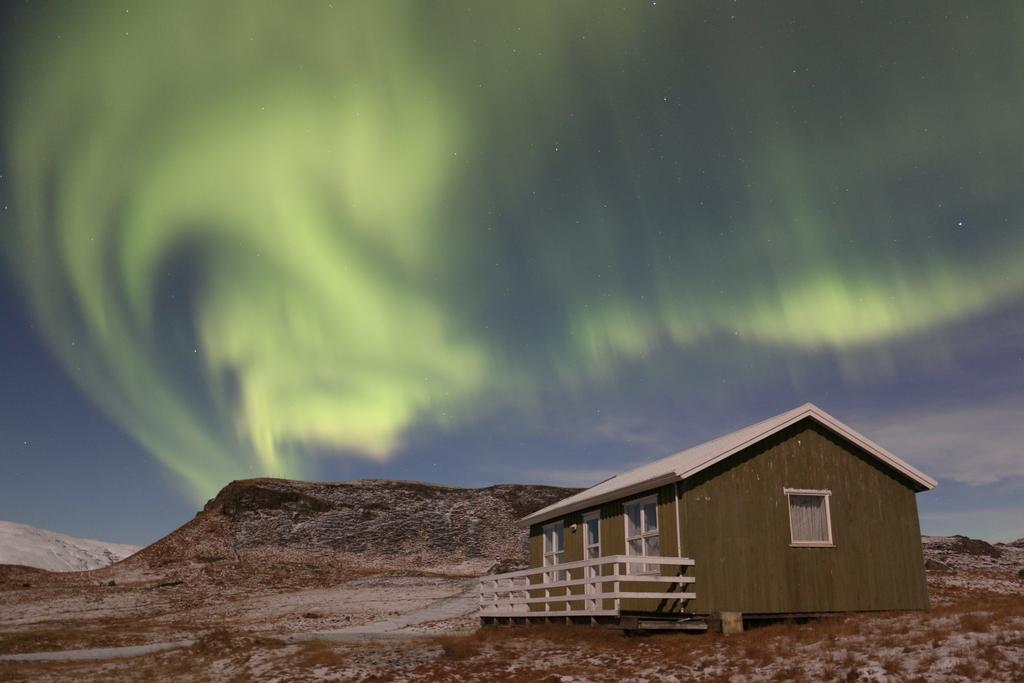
(735, 526)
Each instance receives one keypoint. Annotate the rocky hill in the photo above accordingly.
(972, 554)
(368, 523)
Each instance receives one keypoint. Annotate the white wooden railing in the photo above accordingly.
(512, 594)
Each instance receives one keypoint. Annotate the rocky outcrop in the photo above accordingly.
(973, 546)
(384, 523)
(963, 553)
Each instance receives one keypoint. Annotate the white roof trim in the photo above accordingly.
(691, 461)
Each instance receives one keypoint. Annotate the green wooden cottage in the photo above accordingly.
(795, 515)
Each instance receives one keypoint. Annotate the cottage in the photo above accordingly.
(795, 515)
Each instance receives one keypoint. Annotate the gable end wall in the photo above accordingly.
(735, 525)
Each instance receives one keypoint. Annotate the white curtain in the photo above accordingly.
(808, 519)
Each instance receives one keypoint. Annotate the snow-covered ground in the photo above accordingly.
(317, 619)
(974, 634)
(26, 545)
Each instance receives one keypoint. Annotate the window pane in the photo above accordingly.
(633, 520)
(554, 538)
(592, 531)
(808, 519)
(652, 546)
(593, 552)
(650, 516)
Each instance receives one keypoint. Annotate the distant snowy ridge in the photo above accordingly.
(31, 547)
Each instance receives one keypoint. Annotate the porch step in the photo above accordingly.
(671, 625)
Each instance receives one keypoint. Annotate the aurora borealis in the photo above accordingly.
(267, 237)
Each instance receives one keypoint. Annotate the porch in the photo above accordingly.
(587, 591)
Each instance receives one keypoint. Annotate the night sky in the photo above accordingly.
(474, 243)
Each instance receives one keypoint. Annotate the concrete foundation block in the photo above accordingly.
(730, 622)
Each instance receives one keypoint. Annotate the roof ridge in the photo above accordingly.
(689, 461)
(728, 434)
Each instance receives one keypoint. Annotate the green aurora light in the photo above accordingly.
(252, 231)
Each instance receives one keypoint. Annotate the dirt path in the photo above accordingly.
(95, 652)
(403, 626)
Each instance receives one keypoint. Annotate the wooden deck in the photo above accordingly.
(586, 591)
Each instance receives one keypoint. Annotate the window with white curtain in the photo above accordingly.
(810, 521)
(642, 537)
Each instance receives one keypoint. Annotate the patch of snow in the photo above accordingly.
(31, 547)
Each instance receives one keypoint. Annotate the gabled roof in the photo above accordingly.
(691, 461)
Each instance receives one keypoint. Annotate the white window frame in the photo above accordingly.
(591, 571)
(554, 556)
(595, 515)
(822, 493)
(642, 502)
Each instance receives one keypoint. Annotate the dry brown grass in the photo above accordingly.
(788, 673)
(984, 632)
(926, 660)
(76, 635)
(972, 622)
(557, 635)
(831, 649)
(893, 666)
(967, 668)
(459, 647)
(316, 654)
